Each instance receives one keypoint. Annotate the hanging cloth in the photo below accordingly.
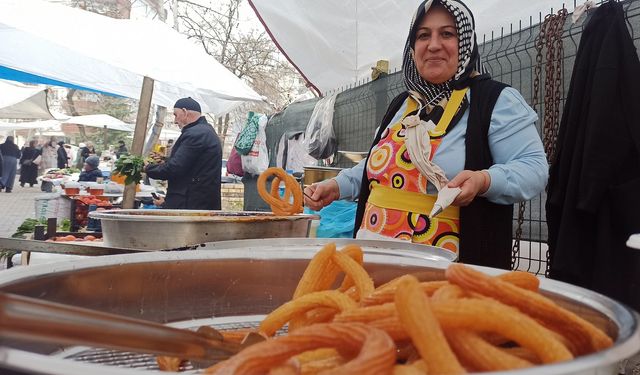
(419, 143)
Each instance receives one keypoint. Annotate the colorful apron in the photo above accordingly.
(398, 206)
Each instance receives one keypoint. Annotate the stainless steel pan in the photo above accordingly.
(235, 286)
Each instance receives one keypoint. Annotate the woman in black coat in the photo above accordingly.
(11, 154)
(63, 159)
(28, 169)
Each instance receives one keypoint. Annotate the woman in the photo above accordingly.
(455, 128)
(10, 155)
(49, 155)
(63, 158)
(28, 169)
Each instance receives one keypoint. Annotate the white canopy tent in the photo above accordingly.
(45, 125)
(168, 133)
(18, 101)
(56, 44)
(100, 121)
(335, 43)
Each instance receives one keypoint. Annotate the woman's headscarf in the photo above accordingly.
(436, 96)
(468, 56)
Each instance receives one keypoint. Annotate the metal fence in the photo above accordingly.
(510, 57)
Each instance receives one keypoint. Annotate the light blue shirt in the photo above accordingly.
(520, 170)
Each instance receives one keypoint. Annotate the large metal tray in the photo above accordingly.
(234, 283)
(170, 229)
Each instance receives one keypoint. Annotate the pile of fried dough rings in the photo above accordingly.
(470, 322)
(291, 202)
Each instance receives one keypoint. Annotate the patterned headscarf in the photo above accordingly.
(469, 64)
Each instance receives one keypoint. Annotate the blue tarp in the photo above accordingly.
(18, 76)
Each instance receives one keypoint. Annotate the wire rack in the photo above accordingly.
(141, 361)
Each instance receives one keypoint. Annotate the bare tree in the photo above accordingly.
(248, 53)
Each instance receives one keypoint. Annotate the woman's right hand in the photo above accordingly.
(321, 194)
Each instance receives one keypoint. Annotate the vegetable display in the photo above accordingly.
(130, 166)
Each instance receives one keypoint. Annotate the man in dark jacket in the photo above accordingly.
(194, 167)
(122, 149)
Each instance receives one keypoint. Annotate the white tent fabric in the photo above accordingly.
(100, 121)
(334, 43)
(166, 134)
(19, 101)
(111, 55)
(53, 125)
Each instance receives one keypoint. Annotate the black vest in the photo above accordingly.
(485, 227)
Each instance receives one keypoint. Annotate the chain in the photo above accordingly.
(552, 120)
(553, 83)
(550, 36)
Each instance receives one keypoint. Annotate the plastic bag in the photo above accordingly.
(291, 152)
(234, 163)
(246, 138)
(337, 220)
(257, 160)
(319, 138)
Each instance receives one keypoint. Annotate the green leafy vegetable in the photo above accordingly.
(65, 226)
(130, 166)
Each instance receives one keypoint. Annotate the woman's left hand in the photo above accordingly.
(471, 183)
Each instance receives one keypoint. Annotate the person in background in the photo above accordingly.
(91, 149)
(454, 127)
(63, 158)
(90, 170)
(10, 155)
(83, 153)
(167, 150)
(122, 149)
(28, 169)
(193, 170)
(49, 155)
(69, 151)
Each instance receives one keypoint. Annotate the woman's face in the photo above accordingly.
(436, 47)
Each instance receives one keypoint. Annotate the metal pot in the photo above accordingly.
(317, 174)
(170, 229)
(354, 156)
(234, 283)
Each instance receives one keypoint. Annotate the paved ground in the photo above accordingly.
(17, 206)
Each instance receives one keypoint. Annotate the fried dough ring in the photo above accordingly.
(386, 293)
(416, 316)
(315, 361)
(367, 313)
(489, 316)
(329, 298)
(170, 364)
(416, 368)
(321, 273)
(585, 336)
(371, 351)
(474, 351)
(354, 271)
(318, 267)
(280, 205)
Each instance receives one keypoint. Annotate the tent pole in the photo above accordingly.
(139, 135)
(104, 139)
(161, 114)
